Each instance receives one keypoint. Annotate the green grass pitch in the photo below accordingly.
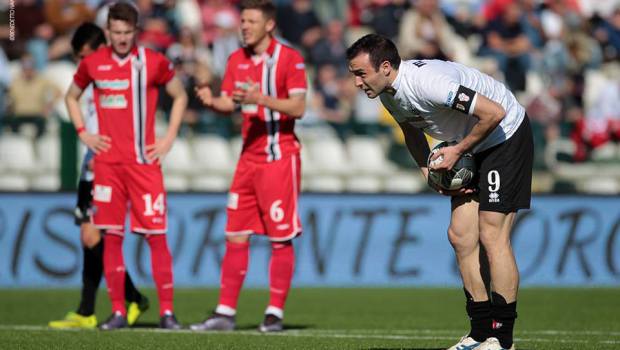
(336, 318)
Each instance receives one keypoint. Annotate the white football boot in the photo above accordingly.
(493, 344)
(466, 343)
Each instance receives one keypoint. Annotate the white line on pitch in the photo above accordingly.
(343, 333)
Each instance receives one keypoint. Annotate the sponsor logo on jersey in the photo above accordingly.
(493, 197)
(113, 101)
(116, 84)
(104, 67)
(460, 107)
(243, 66)
(249, 109)
(300, 66)
(233, 200)
(449, 99)
(283, 227)
(103, 193)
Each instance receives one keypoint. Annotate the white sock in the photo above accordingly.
(276, 311)
(225, 310)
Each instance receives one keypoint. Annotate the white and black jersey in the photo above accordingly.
(89, 111)
(439, 97)
(85, 186)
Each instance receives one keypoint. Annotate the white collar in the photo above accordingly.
(399, 77)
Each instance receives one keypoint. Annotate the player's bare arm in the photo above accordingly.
(417, 145)
(489, 114)
(98, 143)
(294, 105)
(222, 104)
(162, 146)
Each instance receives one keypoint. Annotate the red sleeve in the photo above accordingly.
(228, 82)
(165, 70)
(296, 75)
(82, 77)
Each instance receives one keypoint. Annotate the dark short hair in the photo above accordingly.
(378, 48)
(123, 11)
(87, 34)
(265, 6)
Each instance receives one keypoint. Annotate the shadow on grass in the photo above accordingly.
(145, 325)
(287, 327)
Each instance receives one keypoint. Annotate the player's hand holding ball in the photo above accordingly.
(449, 172)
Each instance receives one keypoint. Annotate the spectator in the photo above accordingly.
(461, 16)
(158, 24)
(214, 12)
(31, 98)
(383, 16)
(608, 34)
(331, 47)
(425, 33)
(532, 23)
(505, 40)
(65, 15)
(328, 10)
(328, 103)
(192, 63)
(299, 24)
(601, 123)
(568, 52)
(226, 42)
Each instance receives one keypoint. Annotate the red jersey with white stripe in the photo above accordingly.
(125, 93)
(268, 135)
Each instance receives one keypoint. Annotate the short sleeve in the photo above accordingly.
(444, 91)
(296, 75)
(228, 81)
(165, 69)
(82, 77)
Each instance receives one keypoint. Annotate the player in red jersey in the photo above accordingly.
(87, 39)
(126, 78)
(267, 79)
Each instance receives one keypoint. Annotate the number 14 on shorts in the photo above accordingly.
(150, 206)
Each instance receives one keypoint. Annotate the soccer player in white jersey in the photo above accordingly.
(451, 102)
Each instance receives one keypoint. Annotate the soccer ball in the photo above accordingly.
(459, 176)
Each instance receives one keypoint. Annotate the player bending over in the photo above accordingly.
(454, 103)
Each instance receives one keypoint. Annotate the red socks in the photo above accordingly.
(234, 269)
(161, 264)
(281, 268)
(114, 269)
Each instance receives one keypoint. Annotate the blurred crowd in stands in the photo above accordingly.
(560, 57)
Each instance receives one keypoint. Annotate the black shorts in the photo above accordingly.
(84, 201)
(505, 172)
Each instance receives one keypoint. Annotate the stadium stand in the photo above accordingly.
(571, 70)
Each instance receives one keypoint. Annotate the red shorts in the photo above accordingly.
(263, 199)
(138, 187)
